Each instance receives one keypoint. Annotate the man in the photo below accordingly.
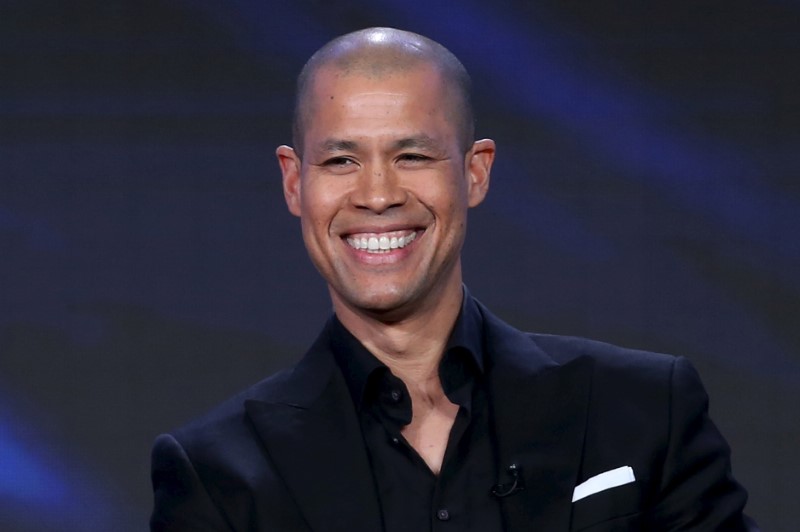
(417, 409)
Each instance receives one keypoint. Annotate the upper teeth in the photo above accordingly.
(379, 243)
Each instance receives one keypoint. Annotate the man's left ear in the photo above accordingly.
(479, 168)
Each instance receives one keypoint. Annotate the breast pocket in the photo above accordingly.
(614, 509)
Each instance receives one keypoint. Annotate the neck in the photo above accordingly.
(411, 346)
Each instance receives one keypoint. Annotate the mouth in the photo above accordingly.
(379, 243)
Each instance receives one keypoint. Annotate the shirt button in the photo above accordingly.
(443, 515)
(396, 395)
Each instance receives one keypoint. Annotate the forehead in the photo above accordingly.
(402, 97)
(331, 82)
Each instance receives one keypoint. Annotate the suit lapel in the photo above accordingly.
(313, 437)
(539, 412)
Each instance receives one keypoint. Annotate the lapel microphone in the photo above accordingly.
(510, 488)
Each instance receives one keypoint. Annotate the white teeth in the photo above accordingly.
(381, 244)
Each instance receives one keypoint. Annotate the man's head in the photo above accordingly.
(387, 173)
(379, 52)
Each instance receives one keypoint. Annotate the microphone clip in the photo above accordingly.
(517, 483)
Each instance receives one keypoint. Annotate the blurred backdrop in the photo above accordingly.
(646, 193)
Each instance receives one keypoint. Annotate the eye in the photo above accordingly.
(339, 164)
(338, 161)
(413, 158)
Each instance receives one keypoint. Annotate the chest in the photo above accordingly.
(429, 432)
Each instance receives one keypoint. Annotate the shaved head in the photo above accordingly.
(378, 53)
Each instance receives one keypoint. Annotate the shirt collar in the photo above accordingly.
(357, 364)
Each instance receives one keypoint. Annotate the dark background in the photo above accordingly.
(646, 193)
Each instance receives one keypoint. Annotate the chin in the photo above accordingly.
(381, 303)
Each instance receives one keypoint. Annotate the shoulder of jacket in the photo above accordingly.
(606, 357)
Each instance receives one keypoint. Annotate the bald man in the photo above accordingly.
(416, 408)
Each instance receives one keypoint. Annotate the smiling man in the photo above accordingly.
(417, 409)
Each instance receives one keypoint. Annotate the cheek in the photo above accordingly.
(320, 206)
(452, 203)
(316, 203)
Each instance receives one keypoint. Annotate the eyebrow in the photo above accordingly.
(423, 142)
(420, 142)
(334, 145)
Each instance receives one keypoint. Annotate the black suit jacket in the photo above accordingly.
(287, 454)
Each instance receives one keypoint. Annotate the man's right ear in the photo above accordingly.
(290, 168)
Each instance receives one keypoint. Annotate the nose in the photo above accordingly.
(378, 190)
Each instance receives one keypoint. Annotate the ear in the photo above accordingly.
(479, 167)
(290, 164)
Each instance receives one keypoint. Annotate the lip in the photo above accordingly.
(377, 230)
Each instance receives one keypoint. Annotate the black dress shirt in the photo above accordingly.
(412, 498)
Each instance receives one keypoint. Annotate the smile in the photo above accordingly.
(381, 242)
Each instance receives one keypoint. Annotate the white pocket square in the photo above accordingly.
(603, 481)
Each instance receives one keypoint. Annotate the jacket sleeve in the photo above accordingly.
(698, 491)
(181, 503)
